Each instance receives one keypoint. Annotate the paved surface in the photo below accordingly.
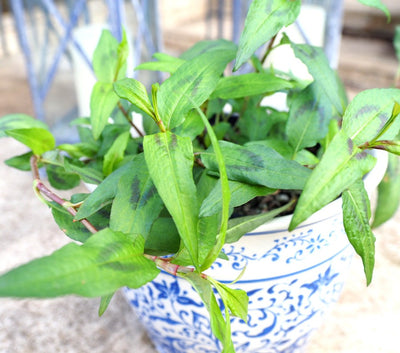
(364, 320)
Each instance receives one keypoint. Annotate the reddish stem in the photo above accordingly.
(45, 191)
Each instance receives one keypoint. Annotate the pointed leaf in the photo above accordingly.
(236, 300)
(325, 79)
(164, 63)
(109, 57)
(356, 215)
(135, 92)
(87, 174)
(249, 85)
(115, 154)
(106, 262)
(195, 79)
(259, 165)
(105, 301)
(377, 4)
(19, 121)
(237, 227)
(102, 102)
(341, 166)
(240, 194)
(169, 159)
(21, 162)
(264, 20)
(105, 192)
(368, 114)
(206, 46)
(309, 117)
(37, 139)
(220, 326)
(136, 205)
(388, 192)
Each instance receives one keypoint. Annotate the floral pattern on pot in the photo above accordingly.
(291, 280)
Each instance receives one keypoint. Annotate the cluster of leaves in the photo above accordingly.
(171, 190)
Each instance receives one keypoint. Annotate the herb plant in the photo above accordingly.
(164, 196)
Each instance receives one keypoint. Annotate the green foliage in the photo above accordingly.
(264, 20)
(210, 144)
(388, 193)
(377, 4)
(19, 121)
(192, 83)
(169, 159)
(39, 140)
(106, 262)
(356, 216)
(258, 164)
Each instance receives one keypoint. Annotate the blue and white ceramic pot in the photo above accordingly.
(291, 278)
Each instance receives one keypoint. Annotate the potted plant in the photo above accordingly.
(179, 195)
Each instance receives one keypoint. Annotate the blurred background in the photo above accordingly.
(45, 51)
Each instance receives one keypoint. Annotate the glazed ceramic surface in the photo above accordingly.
(291, 278)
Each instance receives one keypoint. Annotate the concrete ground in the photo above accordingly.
(364, 320)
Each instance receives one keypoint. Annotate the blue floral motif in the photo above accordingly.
(288, 249)
(282, 314)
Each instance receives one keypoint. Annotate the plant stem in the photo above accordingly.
(269, 48)
(126, 115)
(45, 191)
(167, 266)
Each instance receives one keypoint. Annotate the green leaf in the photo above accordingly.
(115, 154)
(209, 226)
(220, 326)
(191, 85)
(105, 192)
(169, 159)
(237, 227)
(37, 139)
(377, 4)
(206, 46)
(341, 166)
(388, 193)
(249, 85)
(325, 79)
(163, 238)
(368, 114)
(257, 122)
(79, 150)
(136, 205)
(191, 127)
(102, 102)
(19, 121)
(264, 20)
(236, 300)
(21, 162)
(356, 215)
(135, 92)
(87, 174)
(106, 262)
(104, 302)
(309, 116)
(61, 179)
(76, 230)
(259, 165)
(240, 194)
(109, 57)
(164, 63)
(221, 167)
(396, 42)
